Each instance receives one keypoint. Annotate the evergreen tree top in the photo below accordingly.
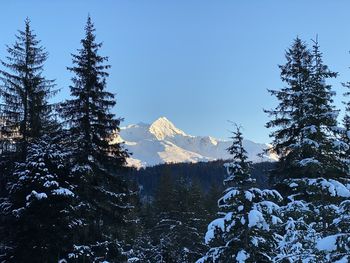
(87, 58)
(26, 53)
(305, 119)
(26, 112)
(88, 114)
(239, 169)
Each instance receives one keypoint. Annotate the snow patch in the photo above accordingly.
(255, 217)
(63, 191)
(242, 256)
(215, 224)
(343, 260)
(36, 195)
(328, 243)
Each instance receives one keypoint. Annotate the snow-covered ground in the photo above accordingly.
(162, 142)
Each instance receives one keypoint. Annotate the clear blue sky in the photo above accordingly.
(199, 63)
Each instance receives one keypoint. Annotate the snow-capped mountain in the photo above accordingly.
(162, 142)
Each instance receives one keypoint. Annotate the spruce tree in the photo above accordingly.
(31, 161)
(91, 126)
(24, 109)
(245, 230)
(298, 241)
(88, 113)
(311, 171)
(38, 208)
(335, 244)
(320, 145)
(295, 74)
(25, 91)
(305, 120)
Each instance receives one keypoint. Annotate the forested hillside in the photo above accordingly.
(206, 174)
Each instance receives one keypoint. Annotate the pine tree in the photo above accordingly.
(196, 223)
(298, 241)
(244, 232)
(311, 171)
(306, 135)
(335, 244)
(31, 162)
(103, 196)
(88, 114)
(25, 92)
(38, 207)
(296, 74)
(320, 146)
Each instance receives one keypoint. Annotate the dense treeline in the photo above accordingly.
(207, 174)
(174, 222)
(66, 195)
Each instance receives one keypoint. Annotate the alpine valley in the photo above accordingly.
(162, 142)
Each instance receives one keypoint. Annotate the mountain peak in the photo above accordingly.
(161, 142)
(162, 128)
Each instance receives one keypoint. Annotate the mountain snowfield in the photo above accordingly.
(162, 142)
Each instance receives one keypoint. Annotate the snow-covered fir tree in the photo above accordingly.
(335, 245)
(297, 243)
(28, 159)
(319, 148)
(244, 232)
(38, 207)
(295, 73)
(311, 173)
(24, 110)
(305, 120)
(103, 195)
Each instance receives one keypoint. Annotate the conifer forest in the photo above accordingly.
(68, 195)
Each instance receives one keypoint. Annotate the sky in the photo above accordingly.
(199, 63)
